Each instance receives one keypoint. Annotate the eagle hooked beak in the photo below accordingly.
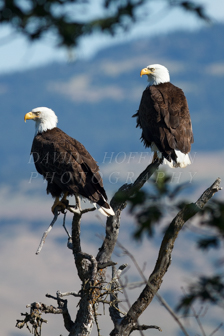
(29, 116)
(145, 71)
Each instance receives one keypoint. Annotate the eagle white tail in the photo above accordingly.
(183, 160)
(105, 211)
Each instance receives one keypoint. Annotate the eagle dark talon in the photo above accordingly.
(62, 204)
(65, 202)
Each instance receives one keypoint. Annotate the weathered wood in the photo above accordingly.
(163, 262)
(118, 203)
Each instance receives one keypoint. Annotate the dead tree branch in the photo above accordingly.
(92, 270)
(118, 203)
(172, 313)
(34, 319)
(114, 309)
(219, 326)
(91, 277)
(37, 308)
(71, 208)
(197, 317)
(163, 262)
(145, 281)
(146, 327)
(56, 214)
(67, 294)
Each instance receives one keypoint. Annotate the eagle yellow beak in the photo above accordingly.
(145, 71)
(29, 115)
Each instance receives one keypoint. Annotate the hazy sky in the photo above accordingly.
(16, 53)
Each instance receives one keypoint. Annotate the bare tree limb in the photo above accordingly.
(56, 214)
(172, 313)
(107, 264)
(88, 210)
(45, 308)
(118, 203)
(87, 268)
(92, 270)
(35, 319)
(76, 233)
(145, 281)
(68, 293)
(62, 309)
(146, 327)
(73, 209)
(164, 260)
(220, 326)
(114, 309)
(197, 317)
(208, 194)
(96, 320)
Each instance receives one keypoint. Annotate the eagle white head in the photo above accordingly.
(45, 119)
(156, 73)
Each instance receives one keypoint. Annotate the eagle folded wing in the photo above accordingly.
(67, 162)
(174, 124)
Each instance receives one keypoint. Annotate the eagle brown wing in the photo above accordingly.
(67, 166)
(164, 118)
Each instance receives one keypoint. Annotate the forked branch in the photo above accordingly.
(118, 203)
(163, 262)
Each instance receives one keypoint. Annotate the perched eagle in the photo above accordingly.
(164, 118)
(65, 163)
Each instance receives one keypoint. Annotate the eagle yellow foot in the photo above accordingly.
(61, 205)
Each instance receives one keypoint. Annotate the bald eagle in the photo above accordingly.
(164, 118)
(65, 163)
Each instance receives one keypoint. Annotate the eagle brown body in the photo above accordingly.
(67, 166)
(164, 118)
(65, 163)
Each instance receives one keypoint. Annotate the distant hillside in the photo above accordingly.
(95, 99)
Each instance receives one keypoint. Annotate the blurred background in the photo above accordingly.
(95, 89)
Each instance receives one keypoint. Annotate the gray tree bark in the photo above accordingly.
(92, 270)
